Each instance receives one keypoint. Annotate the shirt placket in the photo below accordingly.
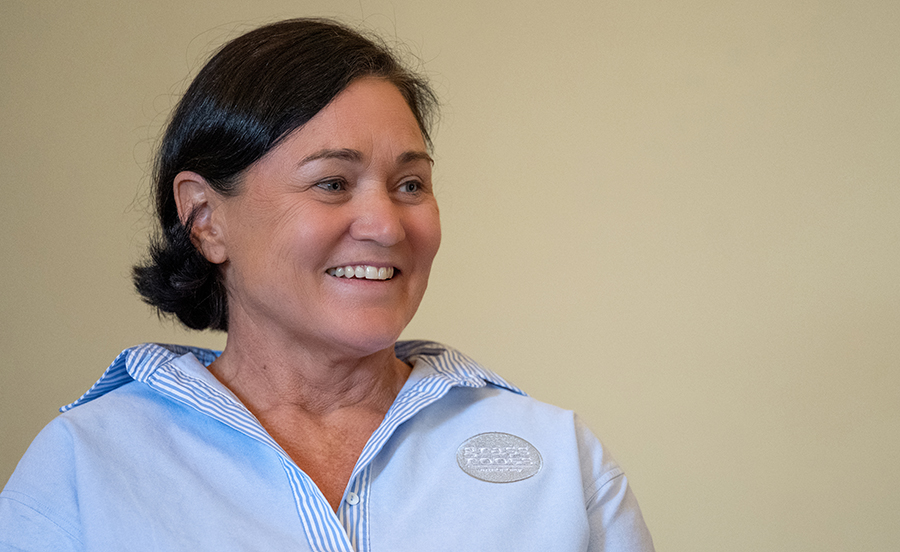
(353, 512)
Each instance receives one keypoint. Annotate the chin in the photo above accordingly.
(369, 336)
(363, 345)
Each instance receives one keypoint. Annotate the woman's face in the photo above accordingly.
(348, 193)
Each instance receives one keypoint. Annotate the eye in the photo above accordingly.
(411, 187)
(332, 185)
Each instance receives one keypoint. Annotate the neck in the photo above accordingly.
(306, 380)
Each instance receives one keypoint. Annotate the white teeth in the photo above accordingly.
(362, 272)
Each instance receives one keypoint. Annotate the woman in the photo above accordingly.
(293, 188)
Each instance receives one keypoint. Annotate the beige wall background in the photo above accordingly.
(680, 219)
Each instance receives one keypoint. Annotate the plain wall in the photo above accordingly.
(680, 219)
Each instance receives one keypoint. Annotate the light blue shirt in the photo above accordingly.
(159, 455)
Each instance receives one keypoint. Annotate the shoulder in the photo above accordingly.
(555, 473)
(483, 402)
(121, 410)
(39, 499)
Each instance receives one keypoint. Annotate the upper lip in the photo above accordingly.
(363, 263)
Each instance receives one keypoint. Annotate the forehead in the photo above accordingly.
(368, 111)
(367, 124)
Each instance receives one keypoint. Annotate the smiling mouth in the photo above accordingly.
(362, 272)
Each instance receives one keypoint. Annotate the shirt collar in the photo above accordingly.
(429, 359)
(138, 364)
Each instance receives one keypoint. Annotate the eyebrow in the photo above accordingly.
(346, 154)
(411, 156)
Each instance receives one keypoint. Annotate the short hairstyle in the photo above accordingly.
(249, 96)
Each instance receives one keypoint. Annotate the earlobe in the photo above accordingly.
(197, 204)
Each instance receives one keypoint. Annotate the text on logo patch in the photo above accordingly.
(498, 458)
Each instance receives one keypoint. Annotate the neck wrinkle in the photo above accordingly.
(268, 384)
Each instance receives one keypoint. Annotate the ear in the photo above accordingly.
(196, 200)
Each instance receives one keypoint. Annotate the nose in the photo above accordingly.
(377, 218)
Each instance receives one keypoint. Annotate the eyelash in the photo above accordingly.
(329, 185)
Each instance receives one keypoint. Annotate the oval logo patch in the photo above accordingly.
(499, 458)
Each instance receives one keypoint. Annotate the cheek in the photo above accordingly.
(265, 243)
(296, 233)
(427, 231)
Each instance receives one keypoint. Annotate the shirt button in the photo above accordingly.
(352, 499)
